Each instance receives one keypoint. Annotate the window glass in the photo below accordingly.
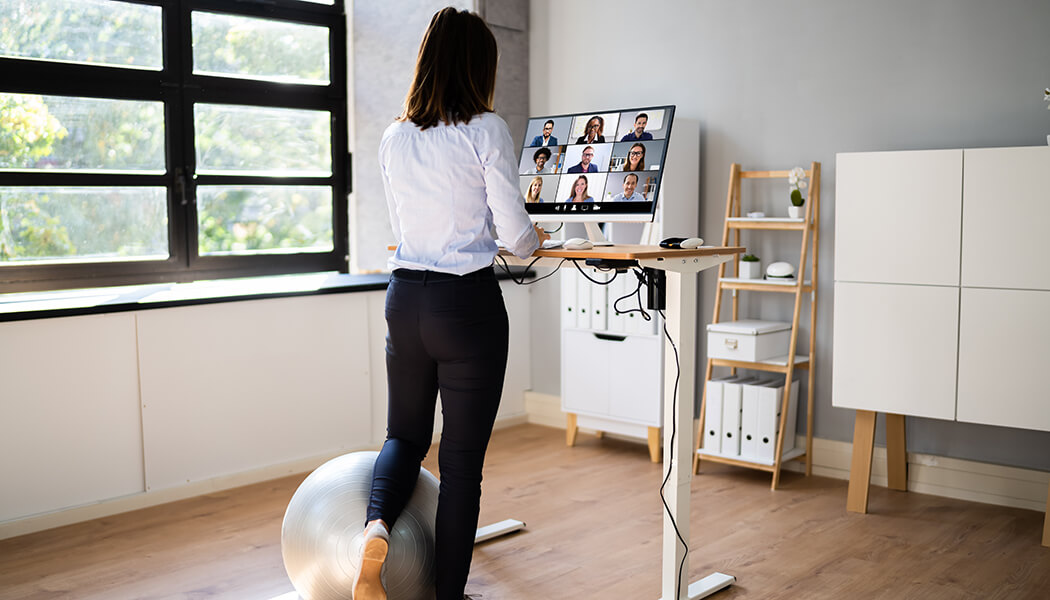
(100, 32)
(234, 46)
(262, 141)
(78, 134)
(264, 219)
(71, 224)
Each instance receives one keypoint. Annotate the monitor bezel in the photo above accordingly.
(585, 213)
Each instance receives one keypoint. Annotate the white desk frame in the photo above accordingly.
(681, 267)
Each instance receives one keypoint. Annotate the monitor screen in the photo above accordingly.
(595, 166)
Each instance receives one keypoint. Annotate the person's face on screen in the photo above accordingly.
(541, 161)
(548, 129)
(635, 155)
(639, 125)
(592, 129)
(534, 189)
(588, 155)
(579, 190)
(629, 183)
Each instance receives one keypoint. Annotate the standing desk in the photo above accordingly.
(680, 267)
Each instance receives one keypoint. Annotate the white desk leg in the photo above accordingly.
(681, 324)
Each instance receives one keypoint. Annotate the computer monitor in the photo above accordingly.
(590, 167)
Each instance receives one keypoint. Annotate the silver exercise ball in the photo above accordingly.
(324, 525)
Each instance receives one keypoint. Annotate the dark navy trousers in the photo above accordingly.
(445, 333)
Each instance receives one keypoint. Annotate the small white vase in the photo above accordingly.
(750, 270)
(795, 212)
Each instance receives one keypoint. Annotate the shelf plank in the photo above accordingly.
(774, 223)
(764, 285)
(773, 365)
(750, 463)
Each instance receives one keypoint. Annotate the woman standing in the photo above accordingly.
(450, 175)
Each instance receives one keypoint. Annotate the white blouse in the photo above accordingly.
(446, 187)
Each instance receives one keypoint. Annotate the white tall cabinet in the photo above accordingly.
(942, 293)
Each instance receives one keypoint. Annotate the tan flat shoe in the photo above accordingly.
(368, 584)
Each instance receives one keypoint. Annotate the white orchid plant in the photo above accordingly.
(797, 181)
(1046, 97)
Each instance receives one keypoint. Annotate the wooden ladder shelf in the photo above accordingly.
(809, 226)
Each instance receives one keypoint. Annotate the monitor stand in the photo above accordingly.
(595, 235)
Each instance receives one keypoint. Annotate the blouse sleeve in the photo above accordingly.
(513, 225)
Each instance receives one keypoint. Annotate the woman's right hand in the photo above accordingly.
(540, 233)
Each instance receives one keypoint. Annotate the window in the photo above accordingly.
(145, 141)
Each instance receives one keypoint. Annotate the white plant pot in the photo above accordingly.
(750, 270)
(795, 212)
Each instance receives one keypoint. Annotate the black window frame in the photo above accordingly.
(179, 89)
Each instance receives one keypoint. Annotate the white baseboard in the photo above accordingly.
(105, 508)
(927, 473)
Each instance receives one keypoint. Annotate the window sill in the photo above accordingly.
(25, 306)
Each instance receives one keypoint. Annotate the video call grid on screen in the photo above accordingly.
(575, 167)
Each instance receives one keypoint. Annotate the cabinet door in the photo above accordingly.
(895, 348)
(1006, 209)
(635, 379)
(897, 217)
(584, 373)
(1004, 350)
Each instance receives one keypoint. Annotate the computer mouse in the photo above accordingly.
(577, 244)
(681, 242)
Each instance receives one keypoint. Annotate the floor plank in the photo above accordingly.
(593, 531)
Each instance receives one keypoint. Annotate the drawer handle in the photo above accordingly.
(730, 343)
(610, 338)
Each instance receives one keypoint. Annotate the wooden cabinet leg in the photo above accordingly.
(570, 429)
(1046, 521)
(654, 444)
(896, 453)
(860, 465)
(599, 434)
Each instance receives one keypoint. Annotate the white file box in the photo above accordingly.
(770, 397)
(748, 340)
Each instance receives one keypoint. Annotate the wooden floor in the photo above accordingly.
(593, 531)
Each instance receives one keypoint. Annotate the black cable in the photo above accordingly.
(637, 293)
(588, 277)
(670, 458)
(506, 269)
(560, 225)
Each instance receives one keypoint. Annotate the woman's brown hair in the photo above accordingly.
(455, 75)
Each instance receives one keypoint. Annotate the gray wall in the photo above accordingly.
(780, 84)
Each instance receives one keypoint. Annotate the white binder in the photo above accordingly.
(616, 323)
(713, 414)
(568, 298)
(770, 397)
(599, 300)
(583, 301)
(749, 419)
(732, 392)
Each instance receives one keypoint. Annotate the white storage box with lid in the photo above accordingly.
(748, 340)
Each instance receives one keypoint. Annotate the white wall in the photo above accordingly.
(106, 413)
(780, 84)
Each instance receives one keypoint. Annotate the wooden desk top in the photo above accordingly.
(635, 252)
(628, 252)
